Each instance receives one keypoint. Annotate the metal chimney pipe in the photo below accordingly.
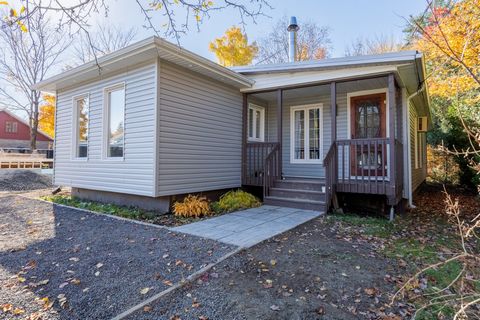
(292, 39)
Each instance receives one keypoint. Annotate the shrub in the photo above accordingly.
(192, 206)
(236, 200)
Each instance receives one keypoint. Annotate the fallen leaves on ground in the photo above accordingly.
(144, 290)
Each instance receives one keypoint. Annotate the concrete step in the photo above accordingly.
(297, 194)
(295, 203)
(314, 185)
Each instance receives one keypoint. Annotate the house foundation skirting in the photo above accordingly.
(159, 204)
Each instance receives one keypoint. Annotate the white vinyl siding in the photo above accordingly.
(417, 150)
(200, 133)
(136, 173)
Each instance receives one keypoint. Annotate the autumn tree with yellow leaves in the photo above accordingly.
(448, 34)
(233, 49)
(46, 117)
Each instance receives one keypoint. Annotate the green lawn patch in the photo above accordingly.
(116, 210)
(374, 226)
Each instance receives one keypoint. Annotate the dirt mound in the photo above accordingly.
(22, 180)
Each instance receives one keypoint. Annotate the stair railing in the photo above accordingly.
(272, 169)
(331, 173)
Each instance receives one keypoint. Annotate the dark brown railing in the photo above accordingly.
(363, 166)
(256, 154)
(272, 170)
(331, 172)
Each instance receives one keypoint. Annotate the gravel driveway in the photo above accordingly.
(23, 180)
(90, 266)
(310, 272)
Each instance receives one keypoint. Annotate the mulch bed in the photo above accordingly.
(64, 263)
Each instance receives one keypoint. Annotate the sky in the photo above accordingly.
(347, 20)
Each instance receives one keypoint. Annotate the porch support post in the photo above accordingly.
(391, 126)
(333, 103)
(333, 111)
(280, 129)
(244, 137)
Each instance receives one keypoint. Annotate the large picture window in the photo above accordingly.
(115, 116)
(306, 134)
(256, 123)
(81, 116)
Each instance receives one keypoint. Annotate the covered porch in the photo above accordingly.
(310, 141)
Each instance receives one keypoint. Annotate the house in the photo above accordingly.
(157, 121)
(15, 133)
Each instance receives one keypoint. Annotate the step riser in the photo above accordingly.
(297, 205)
(285, 184)
(297, 194)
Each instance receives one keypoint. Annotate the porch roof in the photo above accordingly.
(407, 66)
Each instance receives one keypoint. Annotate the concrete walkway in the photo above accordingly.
(249, 227)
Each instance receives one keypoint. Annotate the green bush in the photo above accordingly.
(235, 200)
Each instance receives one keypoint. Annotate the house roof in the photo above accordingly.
(139, 52)
(13, 115)
(332, 63)
(408, 67)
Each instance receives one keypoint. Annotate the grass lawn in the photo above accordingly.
(422, 237)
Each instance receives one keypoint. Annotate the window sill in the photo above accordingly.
(306, 161)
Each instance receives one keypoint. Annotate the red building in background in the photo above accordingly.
(15, 133)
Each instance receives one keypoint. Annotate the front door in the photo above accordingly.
(368, 115)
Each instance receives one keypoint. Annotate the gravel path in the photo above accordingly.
(89, 266)
(310, 272)
(23, 180)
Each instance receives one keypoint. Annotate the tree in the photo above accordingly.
(177, 15)
(376, 45)
(233, 49)
(313, 42)
(449, 37)
(25, 59)
(46, 117)
(107, 39)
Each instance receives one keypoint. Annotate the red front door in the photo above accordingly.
(368, 115)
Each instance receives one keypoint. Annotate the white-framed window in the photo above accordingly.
(80, 126)
(256, 123)
(306, 127)
(114, 121)
(11, 127)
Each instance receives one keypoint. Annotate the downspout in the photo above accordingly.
(409, 150)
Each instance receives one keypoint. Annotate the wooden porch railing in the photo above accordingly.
(272, 169)
(256, 155)
(331, 173)
(363, 166)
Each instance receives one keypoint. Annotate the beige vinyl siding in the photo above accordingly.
(200, 133)
(135, 173)
(418, 174)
